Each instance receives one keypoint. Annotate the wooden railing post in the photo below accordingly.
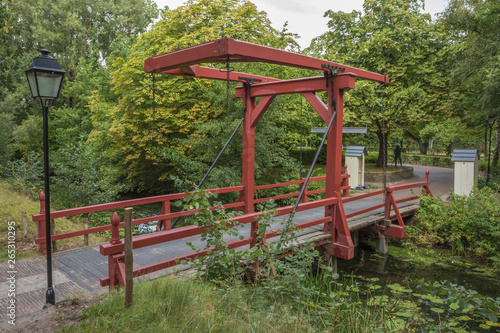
(345, 182)
(304, 196)
(86, 226)
(40, 227)
(115, 239)
(167, 223)
(426, 187)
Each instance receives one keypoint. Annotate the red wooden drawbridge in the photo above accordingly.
(336, 79)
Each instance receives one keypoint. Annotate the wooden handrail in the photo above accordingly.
(165, 200)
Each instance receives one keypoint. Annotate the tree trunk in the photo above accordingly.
(423, 145)
(497, 148)
(486, 151)
(380, 161)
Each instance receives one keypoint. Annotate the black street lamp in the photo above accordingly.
(491, 121)
(45, 77)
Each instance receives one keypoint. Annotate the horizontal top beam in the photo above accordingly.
(303, 85)
(224, 49)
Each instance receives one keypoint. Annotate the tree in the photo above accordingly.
(156, 142)
(473, 27)
(395, 38)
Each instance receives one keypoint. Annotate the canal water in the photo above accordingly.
(430, 287)
(399, 266)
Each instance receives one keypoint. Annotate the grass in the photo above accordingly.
(171, 304)
(13, 204)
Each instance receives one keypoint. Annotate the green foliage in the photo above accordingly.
(221, 263)
(457, 303)
(333, 305)
(25, 175)
(225, 264)
(432, 160)
(466, 224)
(189, 117)
(28, 135)
(471, 24)
(80, 178)
(394, 38)
(73, 31)
(6, 126)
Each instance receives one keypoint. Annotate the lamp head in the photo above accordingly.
(45, 77)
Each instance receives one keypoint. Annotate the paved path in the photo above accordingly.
(78, 271)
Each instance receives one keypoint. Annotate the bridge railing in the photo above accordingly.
(344, 186)
(396, 230)
(165, 216)
(114, 249)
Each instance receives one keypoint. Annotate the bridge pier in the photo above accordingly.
(355, 238)
(382, 244)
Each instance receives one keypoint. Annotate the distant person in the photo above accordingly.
(397, 156)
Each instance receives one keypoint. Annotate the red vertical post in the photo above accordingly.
(41, 223)
(115, 239)
(345, 183)
(248, 166)
(343, 246)
(304, 196)
(167, 223)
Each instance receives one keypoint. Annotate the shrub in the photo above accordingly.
(466, 224)
(431, 160)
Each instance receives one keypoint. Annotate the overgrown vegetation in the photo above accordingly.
(466, 224)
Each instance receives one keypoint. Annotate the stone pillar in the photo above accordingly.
(382, 245)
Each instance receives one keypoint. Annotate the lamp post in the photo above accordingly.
(45, 77)
(491, 122)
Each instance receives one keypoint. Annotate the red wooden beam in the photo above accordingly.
(216, 74)
(302, 85)
(221, 50)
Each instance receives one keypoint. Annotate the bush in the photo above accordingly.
(431, 160)
(466, 224)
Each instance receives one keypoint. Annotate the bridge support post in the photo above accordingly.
(342, 245)
(248, 165)
(382, 244)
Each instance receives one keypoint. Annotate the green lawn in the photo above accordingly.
(12, 206)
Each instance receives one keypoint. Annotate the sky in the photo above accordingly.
(305, 17)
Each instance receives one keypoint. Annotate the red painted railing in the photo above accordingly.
(114, 249)
(164, 219)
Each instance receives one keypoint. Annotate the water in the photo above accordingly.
(430, 265)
